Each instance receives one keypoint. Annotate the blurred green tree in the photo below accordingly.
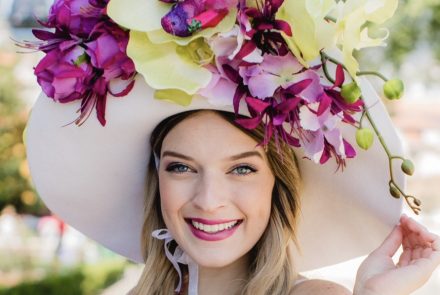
(15, 183)
(415, 23)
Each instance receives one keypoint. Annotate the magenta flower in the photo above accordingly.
(108, 52)
(266, 29)
(274, 114)
(65, 75)
(77, 17)
(85, 56)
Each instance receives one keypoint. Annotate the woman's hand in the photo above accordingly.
(378, 275)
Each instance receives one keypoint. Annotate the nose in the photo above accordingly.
(211, 193)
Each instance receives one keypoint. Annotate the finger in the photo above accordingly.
(417, 253)
(412, 225)
(427, 252)
(404, 258)
(435, 242)
(391, 243)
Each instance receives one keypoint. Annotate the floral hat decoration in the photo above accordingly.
(286, 64)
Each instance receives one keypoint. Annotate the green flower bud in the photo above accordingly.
(364, 138)
(394, 192)
(417, 202)
(393, 89)
(407, 167)
(351, 92)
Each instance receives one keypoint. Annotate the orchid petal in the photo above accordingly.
(303, 25)
(334, 137)
(220, 93)
(163, 68)
(309, 120)
(139, 15)
(281, 65)
(350, 33)
(250, 123)
(263, 85)
(313, 145)
(257, 104)
(314, 89)
(350, 152)
(174, 95)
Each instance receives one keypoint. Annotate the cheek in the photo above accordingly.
(255, 200)
(171, 200)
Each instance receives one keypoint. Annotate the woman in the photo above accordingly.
(283, 91)
(198, 187)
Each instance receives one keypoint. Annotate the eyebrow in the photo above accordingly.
(232, 158)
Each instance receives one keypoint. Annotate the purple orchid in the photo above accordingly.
(232, 45)
(323, 138)
(274, 72)
(220, 91)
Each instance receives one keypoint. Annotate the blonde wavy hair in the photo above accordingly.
(270, 270)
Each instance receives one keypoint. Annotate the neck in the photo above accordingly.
(228, 279)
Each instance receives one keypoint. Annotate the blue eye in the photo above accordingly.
(244, 170)
(177, 168)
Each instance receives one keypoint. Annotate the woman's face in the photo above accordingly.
(215, 188)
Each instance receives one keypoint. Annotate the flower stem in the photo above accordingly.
(412, 202)
(372, 73)
(324, 58)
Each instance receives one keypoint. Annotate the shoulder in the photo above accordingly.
(319, 287)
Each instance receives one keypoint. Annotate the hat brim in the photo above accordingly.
(93, 177)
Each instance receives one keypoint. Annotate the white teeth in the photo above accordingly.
(213, 228)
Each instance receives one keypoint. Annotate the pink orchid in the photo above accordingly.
(274, 72)
(220, 91)
(323, 137)
(233, 45)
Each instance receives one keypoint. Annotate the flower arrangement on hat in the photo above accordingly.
(187, 93)
(271, 54)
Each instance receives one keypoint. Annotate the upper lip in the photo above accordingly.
(210, 221)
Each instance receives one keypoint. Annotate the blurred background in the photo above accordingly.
(39, 254)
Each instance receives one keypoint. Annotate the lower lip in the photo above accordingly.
(212, 237)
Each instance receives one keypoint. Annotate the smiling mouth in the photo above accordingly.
(213, 227)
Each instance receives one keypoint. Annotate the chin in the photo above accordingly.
(211, 260)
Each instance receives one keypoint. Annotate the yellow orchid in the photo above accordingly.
(164, 60)
(312, 32)
(166, 66)
(350, 32)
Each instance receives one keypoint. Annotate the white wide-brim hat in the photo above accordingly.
(94, 177)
